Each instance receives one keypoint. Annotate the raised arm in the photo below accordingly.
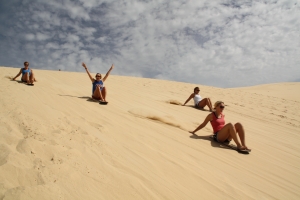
(87, 71)
(207, 119)
(190, 97)
(106, 75)
(17, 75)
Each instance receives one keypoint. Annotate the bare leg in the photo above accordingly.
(240, 130)
(209, 104)
(97, 93)
(103, 93)
(25, 78)
(205, 102)
(228, 131)
(31, 78)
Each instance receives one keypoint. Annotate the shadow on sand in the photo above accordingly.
(84, 97)
(212, 142)
(202, 109)
(217, 144)
(177, 103)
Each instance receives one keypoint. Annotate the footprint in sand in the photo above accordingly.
(97, 126)
(23, 147)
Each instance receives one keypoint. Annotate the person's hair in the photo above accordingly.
(98, 74)
(26, 62)
(196, 88)
(217, 104)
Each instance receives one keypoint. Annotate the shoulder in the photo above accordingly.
(210, 116)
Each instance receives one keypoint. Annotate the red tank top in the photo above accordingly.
(217, 123)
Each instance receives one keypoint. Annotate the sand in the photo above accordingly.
(57, 144)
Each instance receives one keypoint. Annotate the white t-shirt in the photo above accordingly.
(197, 99)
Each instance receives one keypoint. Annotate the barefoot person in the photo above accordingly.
(27, 74)
(99, 90)
(198, 101)
(222, 132)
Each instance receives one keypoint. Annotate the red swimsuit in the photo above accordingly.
(217, 123)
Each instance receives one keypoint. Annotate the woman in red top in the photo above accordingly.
(222, 132)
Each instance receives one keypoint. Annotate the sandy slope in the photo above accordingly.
(56, 144)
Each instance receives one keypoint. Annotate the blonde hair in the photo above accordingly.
(217, 103)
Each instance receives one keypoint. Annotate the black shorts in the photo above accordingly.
(215, 136)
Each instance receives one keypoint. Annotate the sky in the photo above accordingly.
(229, 43)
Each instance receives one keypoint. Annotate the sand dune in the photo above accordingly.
(57, 144)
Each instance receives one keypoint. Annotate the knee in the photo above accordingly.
(230, 125)
(238, 125)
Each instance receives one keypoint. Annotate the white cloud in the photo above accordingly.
(41, 36)
(29, 36)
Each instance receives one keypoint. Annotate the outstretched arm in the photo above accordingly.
(17, 75)
(106, 75)
(190, 97)
(87, 71)
(207, 119)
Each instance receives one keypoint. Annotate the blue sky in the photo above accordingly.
(219, 43)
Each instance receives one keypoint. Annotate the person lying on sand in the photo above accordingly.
(99, 91)
(27, 74)
(222, 132)
(198, 101)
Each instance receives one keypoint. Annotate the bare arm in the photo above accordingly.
(191, 96)
(207, 119)
(106, 75)
(17, 75)
(87, 71)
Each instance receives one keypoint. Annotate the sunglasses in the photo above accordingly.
(222, 107)
(98, 76)
(26, 64)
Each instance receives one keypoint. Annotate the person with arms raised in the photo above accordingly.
(99, 91)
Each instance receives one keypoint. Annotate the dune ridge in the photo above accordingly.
(57, 144)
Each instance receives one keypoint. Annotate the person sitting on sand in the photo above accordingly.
(222, 132)
(27, 74)
(198, 101)
(99, 91)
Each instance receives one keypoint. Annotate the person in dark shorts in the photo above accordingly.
(222, 132)
(27, 74)
(198, 101)
(99, 90)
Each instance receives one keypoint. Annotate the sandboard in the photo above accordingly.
(103, 102)
(30, 84)
(231, 146)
